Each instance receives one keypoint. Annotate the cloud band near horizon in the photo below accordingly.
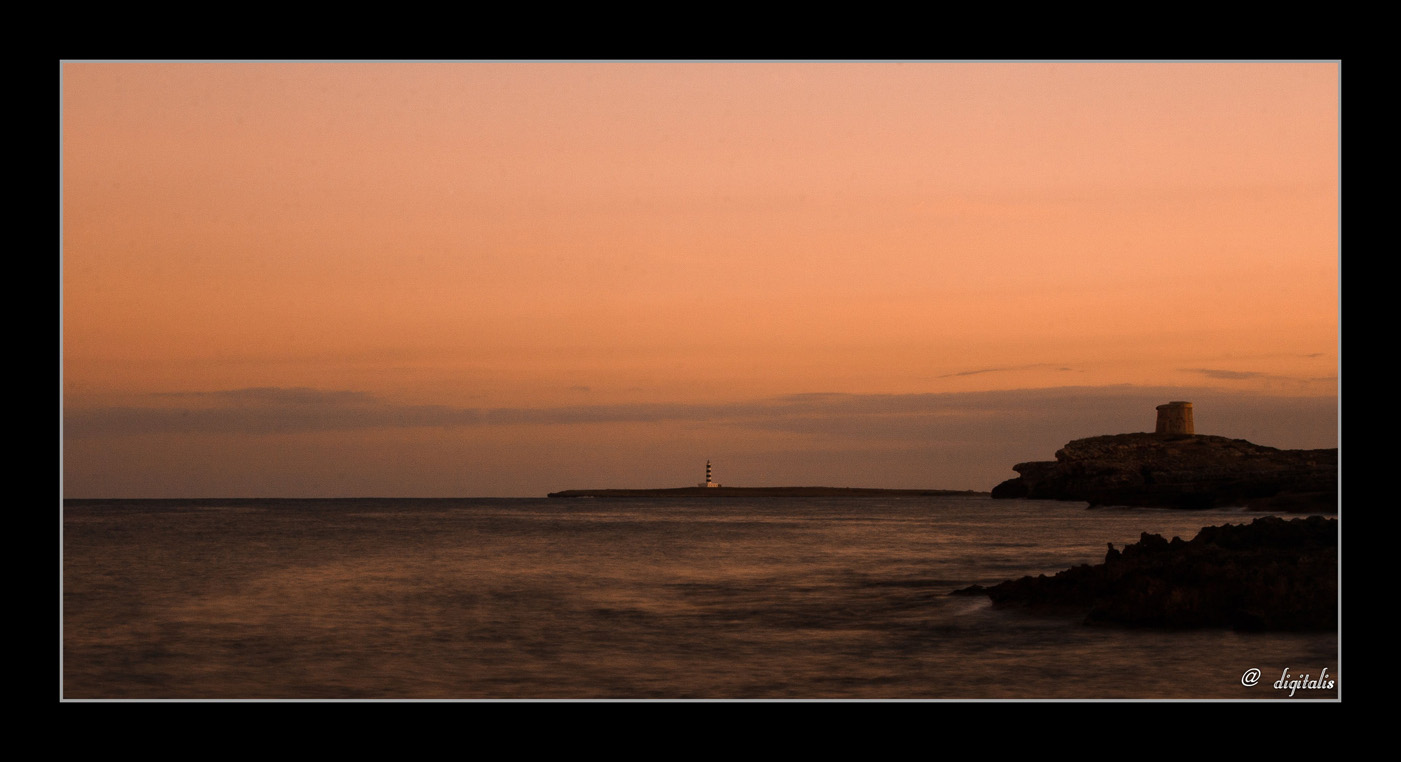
(291, 410)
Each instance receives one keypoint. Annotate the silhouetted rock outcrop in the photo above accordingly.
(1181, 471)
(1271, 574)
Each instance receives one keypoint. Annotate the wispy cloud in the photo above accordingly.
(265, 410)
(1004, 370)
(1221, 374)
(1227, 375)
(294, 395)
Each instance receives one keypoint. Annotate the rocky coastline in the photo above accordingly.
(1272, 574)
(1190, 471)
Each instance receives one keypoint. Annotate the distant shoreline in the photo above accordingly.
(712, 492)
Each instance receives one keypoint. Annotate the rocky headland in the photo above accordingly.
(1181, 471)
(1271, 574)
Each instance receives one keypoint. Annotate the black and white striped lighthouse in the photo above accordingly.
(708, 481)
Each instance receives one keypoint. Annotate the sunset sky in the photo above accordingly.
(505, 279)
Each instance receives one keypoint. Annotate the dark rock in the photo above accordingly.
(1271, 574)
(1181, 471)
(1012, 488)
(971, 590)
(1112, 555)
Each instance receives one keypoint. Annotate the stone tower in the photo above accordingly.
(1175, 418)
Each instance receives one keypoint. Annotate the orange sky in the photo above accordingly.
(611, 236)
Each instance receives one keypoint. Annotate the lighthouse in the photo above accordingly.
(708, 481)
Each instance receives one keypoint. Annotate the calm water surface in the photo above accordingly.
(537, 598)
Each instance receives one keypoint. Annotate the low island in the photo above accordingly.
(714, 492)
(711, 489)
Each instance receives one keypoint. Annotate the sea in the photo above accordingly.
(791, 599)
